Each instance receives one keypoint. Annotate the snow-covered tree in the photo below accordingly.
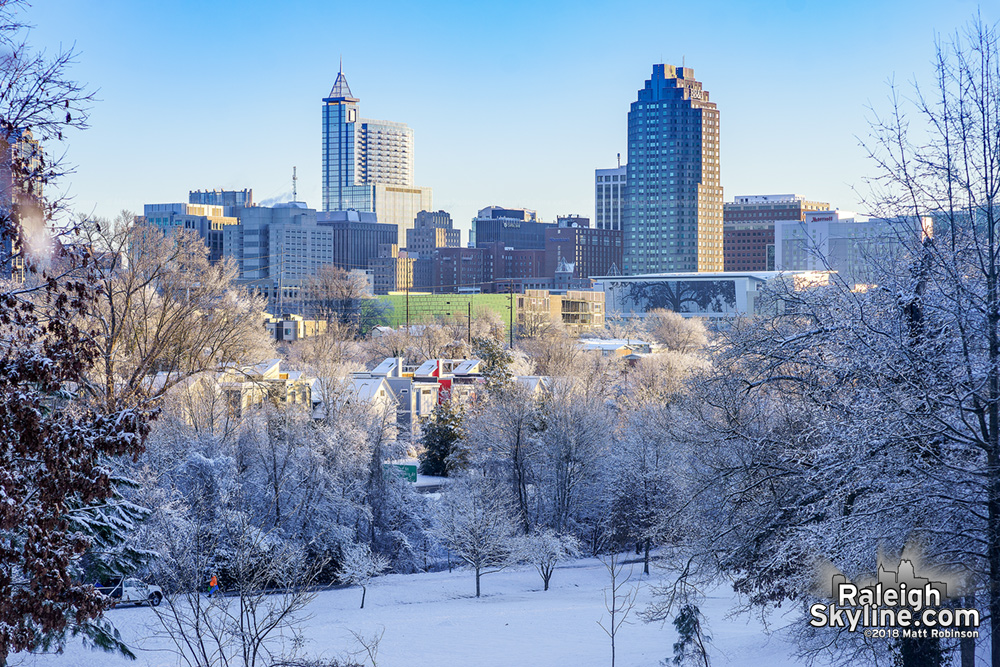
(545, 549)
(676, 332)
(503, 438)
(440, 440)
(267, 584)
(359, 565)
(58, 453)
(853, 421)
(164, 312)
(476, 523)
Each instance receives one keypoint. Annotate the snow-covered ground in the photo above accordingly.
(435, 620)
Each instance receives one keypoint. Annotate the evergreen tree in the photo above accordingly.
(441, 436)
(496, 365)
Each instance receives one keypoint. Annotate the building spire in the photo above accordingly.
(340, 88)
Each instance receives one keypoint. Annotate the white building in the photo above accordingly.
(609, 197)
(857, 247)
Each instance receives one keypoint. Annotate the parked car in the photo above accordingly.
(134, 591)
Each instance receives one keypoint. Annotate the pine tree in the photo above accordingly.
(441, 436)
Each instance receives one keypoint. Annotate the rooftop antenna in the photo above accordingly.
(619, 160)
(295, 182)
(341, 63)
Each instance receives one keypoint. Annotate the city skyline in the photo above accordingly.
(525, 127)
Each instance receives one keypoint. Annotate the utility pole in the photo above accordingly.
(512, 314)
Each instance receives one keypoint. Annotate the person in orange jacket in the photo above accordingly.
(213, 586)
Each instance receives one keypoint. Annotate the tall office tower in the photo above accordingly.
(431, 230)
(673, 210)
(748, 228)
(609, 197)
(368, 164)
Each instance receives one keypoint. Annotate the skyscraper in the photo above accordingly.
(673, 210)
(609, 197)
(368, 164)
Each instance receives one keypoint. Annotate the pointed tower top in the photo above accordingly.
(340, 88)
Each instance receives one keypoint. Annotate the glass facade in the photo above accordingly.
(368, 164)
(673, 205)
(339, 120)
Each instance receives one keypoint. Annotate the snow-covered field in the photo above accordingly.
(434, 620)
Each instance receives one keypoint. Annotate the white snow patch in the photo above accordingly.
(434, 620)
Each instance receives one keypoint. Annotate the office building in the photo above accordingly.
(748, 228)
(230, 200)
(514, 227)
(280, 249)
(392, 270)
(368, 164)
(609, 198)
(206, 220)
(860, 249)
(673, 207)
(432, 230)
(589, 252)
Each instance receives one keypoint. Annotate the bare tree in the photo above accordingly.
(476, 523)
(267, 586)
(676, 332)
(165, 313)
(337, 295)
(619, 598)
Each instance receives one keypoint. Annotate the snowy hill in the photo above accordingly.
(434, 620)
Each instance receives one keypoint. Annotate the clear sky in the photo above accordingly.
(512, 103)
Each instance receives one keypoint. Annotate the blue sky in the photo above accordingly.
(512, 104)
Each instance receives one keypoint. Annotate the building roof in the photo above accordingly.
(340, 88)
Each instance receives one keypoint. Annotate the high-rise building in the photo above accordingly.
(748, 228)
(432, 230)
(609, 197)
(368, 164)
(673, 207)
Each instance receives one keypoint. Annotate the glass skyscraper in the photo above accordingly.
(673, 208)
(368, 164)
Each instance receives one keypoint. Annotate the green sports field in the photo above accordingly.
(426, 307)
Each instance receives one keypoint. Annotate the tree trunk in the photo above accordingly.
(477, 582)
(968, 644)
(363, 591)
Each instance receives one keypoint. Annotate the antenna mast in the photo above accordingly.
(295, 181)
